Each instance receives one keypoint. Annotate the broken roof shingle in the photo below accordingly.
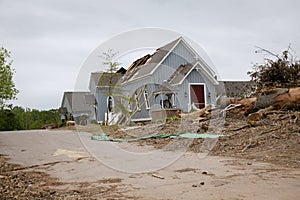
(179, 74)
(109, 79)
(138, 62)
(165, 89)
(145, 65)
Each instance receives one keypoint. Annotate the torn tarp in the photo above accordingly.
(105, 137)
(196, 135)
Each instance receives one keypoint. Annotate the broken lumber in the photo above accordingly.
(259, 115)
(158, 176)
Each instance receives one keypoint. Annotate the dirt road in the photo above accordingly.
(80, 167)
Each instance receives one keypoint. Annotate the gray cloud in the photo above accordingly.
(50, 40)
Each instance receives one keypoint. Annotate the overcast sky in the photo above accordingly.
(50, 40)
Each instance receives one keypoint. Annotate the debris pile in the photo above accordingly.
(265, 128)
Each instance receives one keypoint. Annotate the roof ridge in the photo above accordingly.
(150, 60)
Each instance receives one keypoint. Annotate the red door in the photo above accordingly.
(197, 95)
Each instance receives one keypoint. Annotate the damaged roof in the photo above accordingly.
(179, 74)
(145, 65)
(102, 78)
(106, 77)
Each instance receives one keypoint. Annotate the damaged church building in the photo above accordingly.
(174, 79)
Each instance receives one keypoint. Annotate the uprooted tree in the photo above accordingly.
(277, 85)
(8, 90)
(282, 72)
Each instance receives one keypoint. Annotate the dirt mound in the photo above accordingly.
(275, 139)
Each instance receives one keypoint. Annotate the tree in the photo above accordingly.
(8, 90)
(8, 120)
(110, 78)
(284, 71)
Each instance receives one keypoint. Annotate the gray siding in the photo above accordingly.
(102, 103)
(184, 91)
(66, 104)
(144, 112)
(179, 55)
(92, 86)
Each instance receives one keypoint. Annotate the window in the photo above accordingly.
(129, 105)
(146, 99)
(136, 96)
(173, 101)
(110, 103)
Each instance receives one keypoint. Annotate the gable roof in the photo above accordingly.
(79, 102)
(184, 70)
(106, 77)
(102, 78)
(179, 74)
(94, 79)
(146, 65)
(165, 89)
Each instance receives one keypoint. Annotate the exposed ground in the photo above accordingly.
(19, 182)
(274, 139)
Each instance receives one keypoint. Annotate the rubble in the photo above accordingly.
(268, 133)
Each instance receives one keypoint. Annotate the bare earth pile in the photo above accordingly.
(275, 138)
(270, 135)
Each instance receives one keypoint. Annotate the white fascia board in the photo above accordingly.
(141, 119)
(198, 56)
(157, 65)
(211, 78)
(166, 55)
(207, 74)
(135, 80)
(186, 75)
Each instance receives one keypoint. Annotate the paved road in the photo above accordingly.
(151, 174)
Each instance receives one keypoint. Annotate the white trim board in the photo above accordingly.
(205, 96)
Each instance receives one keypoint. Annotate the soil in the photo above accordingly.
(18, 182)
(274, 139)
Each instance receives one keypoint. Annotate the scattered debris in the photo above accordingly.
(157, 176)
(31, 184)
(70, 123)
(198, 185)
(105, 137)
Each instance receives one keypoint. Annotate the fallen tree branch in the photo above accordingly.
(269, 131)
(240, 128)
(250, 145)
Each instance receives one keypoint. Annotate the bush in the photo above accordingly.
(281, 72)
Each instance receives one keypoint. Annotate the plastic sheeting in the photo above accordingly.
(105, 137)
(196, 135)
